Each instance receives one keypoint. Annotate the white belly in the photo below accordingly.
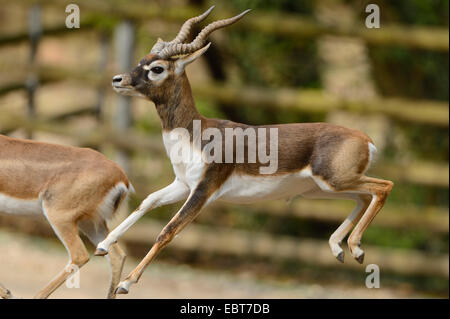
(248, 188)
(189, 166)
(16, 206)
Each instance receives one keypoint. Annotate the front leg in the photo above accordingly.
(168, 195)
(196, 201)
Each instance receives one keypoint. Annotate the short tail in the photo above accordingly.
(372, 154)
(113, 200)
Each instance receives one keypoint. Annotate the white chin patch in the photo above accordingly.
(128, 92)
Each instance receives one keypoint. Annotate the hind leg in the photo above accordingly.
(66, 229)
(362, 202)
(116, 256)
(379, 190)
(343, 173)
(5, 293)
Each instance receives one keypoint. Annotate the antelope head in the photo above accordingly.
(161, 72)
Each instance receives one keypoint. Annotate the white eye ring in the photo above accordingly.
(157, 71)
(153, 70)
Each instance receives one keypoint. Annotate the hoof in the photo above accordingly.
(337, 250)
(100, 252)
(121, 291)
(340, 257)
(360, 258)
(6, 295)
(356, 252)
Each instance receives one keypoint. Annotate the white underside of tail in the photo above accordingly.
(106, 208)
(372, 154)
(131, 189)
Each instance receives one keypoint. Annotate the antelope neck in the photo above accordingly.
(178, 109)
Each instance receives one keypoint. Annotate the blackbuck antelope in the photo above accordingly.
(315, 160)
(73, 188)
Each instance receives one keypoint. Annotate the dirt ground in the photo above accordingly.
(28, 263)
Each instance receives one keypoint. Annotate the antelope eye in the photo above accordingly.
(157, 69)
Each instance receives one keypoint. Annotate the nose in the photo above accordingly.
(117, 79)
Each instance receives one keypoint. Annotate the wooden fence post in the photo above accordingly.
(124, 42)
(104, 40)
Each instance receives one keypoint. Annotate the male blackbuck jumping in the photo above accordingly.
(216, 159)
(73, 188)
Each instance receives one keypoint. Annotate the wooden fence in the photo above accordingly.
(230, 241)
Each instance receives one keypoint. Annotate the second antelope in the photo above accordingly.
(73, 188)
(315, 160)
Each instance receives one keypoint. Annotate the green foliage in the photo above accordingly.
(433, 144)
(273, 61)
(407, 239)
(428, 12)
(209, 109)
(423, 142)
(102, 22)
(293, 6)
(411, 73)
(417, 12)
(415, 74)
(146, 125)
(419, 195)
(261, 116)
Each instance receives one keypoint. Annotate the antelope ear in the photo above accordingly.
(181, 63)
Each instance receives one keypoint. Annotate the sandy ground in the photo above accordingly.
(28, 263)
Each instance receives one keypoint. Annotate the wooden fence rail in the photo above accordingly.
(281, 24)
(317, 101)
(303, 100)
